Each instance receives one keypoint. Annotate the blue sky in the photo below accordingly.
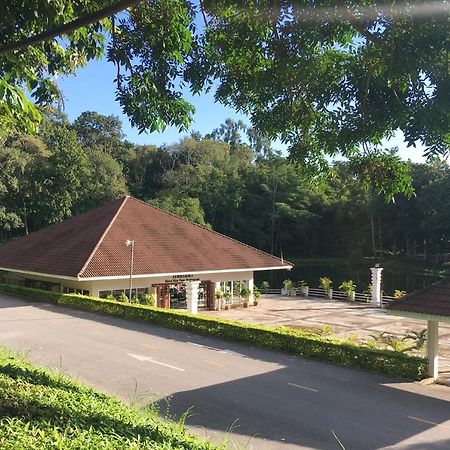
(92, 89)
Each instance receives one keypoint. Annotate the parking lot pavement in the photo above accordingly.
(347, 319)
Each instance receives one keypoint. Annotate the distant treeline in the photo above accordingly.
(231, 180)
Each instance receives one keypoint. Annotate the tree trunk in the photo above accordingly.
(380, 239)
(372, 229)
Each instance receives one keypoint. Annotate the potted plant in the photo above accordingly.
(288, 287)
(326, 284)
(219, 296)
(304, 289)
(245, 294)
(349, 289)
(256, 296)
(227, 298)
(265, 287)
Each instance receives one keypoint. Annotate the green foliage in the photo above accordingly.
(298, 342)
(391, 341)
(147, 299)
(326, 284)
(418, 338)
(348, 287)
(321, 77)
(123, 298)
(302, 283)
(42, 410)
(219, 294)
(187, 207)
(265, 287)
(368, 293)
(256, 293)
(288, 286)
(245, 294)
(399, 294)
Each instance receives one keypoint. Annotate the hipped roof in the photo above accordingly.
(92, 244)
(430, 302)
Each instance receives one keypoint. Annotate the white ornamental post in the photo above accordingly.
(192, 288)
(376, 285)
(432, 348)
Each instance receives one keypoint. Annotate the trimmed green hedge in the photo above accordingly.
(288, 340)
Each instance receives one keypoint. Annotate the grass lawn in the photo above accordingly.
(42, 410)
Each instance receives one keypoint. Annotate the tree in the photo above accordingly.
(105, 180)
(187, 207)
(381, 173)
(96, 130)
(21, 157)
(324, 77)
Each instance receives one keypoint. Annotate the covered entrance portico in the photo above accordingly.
(185, 294)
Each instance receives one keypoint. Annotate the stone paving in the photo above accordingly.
(349, 320)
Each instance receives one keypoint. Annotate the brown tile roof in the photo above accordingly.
(433, 300)
(92, 244)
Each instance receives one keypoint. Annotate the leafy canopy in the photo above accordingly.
(323, 76)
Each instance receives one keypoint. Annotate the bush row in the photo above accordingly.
(288, 340)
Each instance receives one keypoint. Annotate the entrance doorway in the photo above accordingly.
(173, 295)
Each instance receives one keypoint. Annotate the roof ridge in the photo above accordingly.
(103, 236)
(212, 231)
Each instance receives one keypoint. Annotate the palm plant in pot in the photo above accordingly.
(245, 294)
(219, 296)
(256, 296)
(227, 298)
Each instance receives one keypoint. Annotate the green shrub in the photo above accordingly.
(298, 342)
(348, 287)
(288, 287)
(245, 293)
(123, 298)
(265, 287)
(147, 299)
(399, 294)
(40, 410)
(326, 284)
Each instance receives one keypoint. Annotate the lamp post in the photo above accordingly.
(130, 243)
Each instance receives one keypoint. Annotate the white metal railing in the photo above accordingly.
(360, 297)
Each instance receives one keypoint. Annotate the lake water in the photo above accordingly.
(392, 279)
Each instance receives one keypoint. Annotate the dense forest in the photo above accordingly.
(230, 180)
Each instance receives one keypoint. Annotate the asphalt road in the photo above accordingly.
(269, 400)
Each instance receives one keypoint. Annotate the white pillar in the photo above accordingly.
(250, 285)
(217, 301)
(192, 288)
(376, 286)
(432, 348)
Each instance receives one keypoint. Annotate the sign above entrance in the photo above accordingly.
(182, 278)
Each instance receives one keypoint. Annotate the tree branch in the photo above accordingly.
(71, 26)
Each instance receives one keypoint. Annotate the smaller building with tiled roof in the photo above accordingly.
(432, 302)
(128, 246)
(433, 305)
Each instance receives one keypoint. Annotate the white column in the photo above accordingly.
(432, 348)
(192, 288)
(217, 300)
(250, 286)
(376, 286)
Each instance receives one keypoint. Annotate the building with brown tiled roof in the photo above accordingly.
(433, 305)
(89, 254)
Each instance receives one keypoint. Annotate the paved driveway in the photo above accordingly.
(347, 319)
(271, 400)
